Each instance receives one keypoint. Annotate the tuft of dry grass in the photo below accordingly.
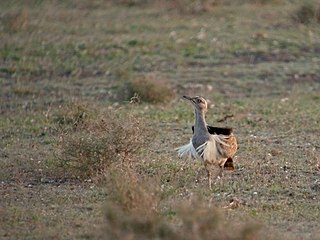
(132, 205)
(149, 88)
(134, 210)
(132, 191)
(95, 141)
(307, 13)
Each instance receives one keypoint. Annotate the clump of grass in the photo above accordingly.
(132, 191)
(23, 90)
(70, 115)
(132, 205)
(307, 13)
(15, 21)
(135, 210)
(96, 141)
(149, 88)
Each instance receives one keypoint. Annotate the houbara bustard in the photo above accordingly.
(215, 146)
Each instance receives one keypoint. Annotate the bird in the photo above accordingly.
(215, 146)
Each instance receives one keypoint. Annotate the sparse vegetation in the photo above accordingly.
(308, 12)
(14, 21)
(96, 141)
(149, 89)
(80, 160)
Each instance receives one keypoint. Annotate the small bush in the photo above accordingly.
(132, 206)
(133, 192)
(96, 141)
(135, 212)
(136, 209)
(307, 13)
(149, 88)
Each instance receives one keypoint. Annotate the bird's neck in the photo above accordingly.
(200, 124)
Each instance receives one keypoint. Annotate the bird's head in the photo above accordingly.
(199, 103)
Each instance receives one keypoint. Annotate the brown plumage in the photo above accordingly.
(215, 146)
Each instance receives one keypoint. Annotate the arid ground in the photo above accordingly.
(91, 113)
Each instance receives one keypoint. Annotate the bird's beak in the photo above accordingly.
(188, 98)
(191, 99)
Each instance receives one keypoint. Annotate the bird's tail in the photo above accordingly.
(187, 150)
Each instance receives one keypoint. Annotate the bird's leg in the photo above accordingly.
(210, 179)
(208, 166)
(217, 174)
(215, 171)
(220, 173)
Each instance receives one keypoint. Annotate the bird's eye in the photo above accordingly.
(199, 100)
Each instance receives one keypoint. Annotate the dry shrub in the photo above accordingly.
(124, 225)
(136, 210)
(199, 220)
(149, 88)
(96, 141)
(307, 13)
(202, 220)
(135, 213)
(132, 191)
(132, 207)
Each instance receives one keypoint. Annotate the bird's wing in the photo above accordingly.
(213, 149)
(187, 151)
(217, 130)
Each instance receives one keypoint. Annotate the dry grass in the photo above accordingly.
(149, 89)
(136, 210)
(15, 21)
(76, 161)
(307, 13)
(96, 140)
